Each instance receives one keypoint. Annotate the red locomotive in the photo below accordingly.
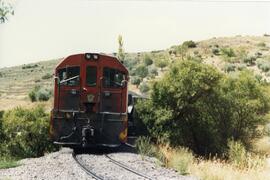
(90, 101)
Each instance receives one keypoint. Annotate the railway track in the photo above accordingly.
(99, 177)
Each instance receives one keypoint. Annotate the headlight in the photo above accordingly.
(90, 97)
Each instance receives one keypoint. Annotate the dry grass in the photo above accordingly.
(257, 167)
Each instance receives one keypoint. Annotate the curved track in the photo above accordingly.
(127, 168)
(95, 176)
(89, 172)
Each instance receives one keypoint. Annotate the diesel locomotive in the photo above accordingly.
(90, 101)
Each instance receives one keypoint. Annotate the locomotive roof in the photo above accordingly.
(83, 54)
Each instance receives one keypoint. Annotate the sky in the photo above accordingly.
(48, 29)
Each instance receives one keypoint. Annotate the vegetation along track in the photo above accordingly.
(120, 164)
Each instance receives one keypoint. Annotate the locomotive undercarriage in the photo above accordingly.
(74, 128)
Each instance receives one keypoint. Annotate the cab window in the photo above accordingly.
(69, 76)
(91, 76)
(112, 78)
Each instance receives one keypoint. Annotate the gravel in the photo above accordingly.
(61, 165)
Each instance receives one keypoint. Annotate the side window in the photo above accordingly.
(69, 76)
(113, 77)
(91, 76)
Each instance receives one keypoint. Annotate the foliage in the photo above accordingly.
(144, 88)
(121, 52)
(39, 94)
(141, 71)
(189, 44)
(136, 80)
(261, 44)
(46, 76)
(161, 63)
(7, 162)
(145, 147)
(194, 105)
(5, 10)
(241, 67)
(153, 70)
(241, 158)
(250, 60)
(264, 65)
(228, 52)
(26, 133)
(216, 51)
(147, 60)
(29, 66)
(229, 67)
(181, 160)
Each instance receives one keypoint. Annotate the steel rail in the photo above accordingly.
(92, 174)
(127, 168)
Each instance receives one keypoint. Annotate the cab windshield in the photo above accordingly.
(69, 76)
(113, 78)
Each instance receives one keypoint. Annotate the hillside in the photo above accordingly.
(229, 54)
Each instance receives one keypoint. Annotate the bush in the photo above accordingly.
(228, 67)
(153, 70)
(215, 51)
(241, 67)
(26, 132)
(196, 106)
(264, 65)
(241, 158)
(39, 94)
(181, 160)
(161, 63)
(46, 76)
(147, 60)
(229, 52)
(136, 80)
(189, 44)
(145, 147)
(144, 88)
(29, 66)
(261, 44)
(141, 71)
(249, 60)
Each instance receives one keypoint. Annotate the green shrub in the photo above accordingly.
(250, 60)
(261, 44)
(46, 76)
(229, 52)
(153, 70)
(194, 105)
(141, 71)
(144, 88)
(135, 80)
(181, 160)
(215, 51)
(147, 60)
(39, 94)
(229, 67)
(29, 66)
(241, 67)
(161, 63)
(264, 65)
(189, 44)
(145, 147)
(26, 132)
(43, 94)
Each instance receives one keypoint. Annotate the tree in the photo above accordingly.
(121, 53)
(5, 10)
(141, 71)
(161, 63)
(147, 60)
(194, 105)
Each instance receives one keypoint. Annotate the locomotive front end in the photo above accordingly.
(90, 101)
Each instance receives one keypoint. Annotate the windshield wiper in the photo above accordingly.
(66, 80)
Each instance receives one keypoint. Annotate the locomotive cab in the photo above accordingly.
(90, 101)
